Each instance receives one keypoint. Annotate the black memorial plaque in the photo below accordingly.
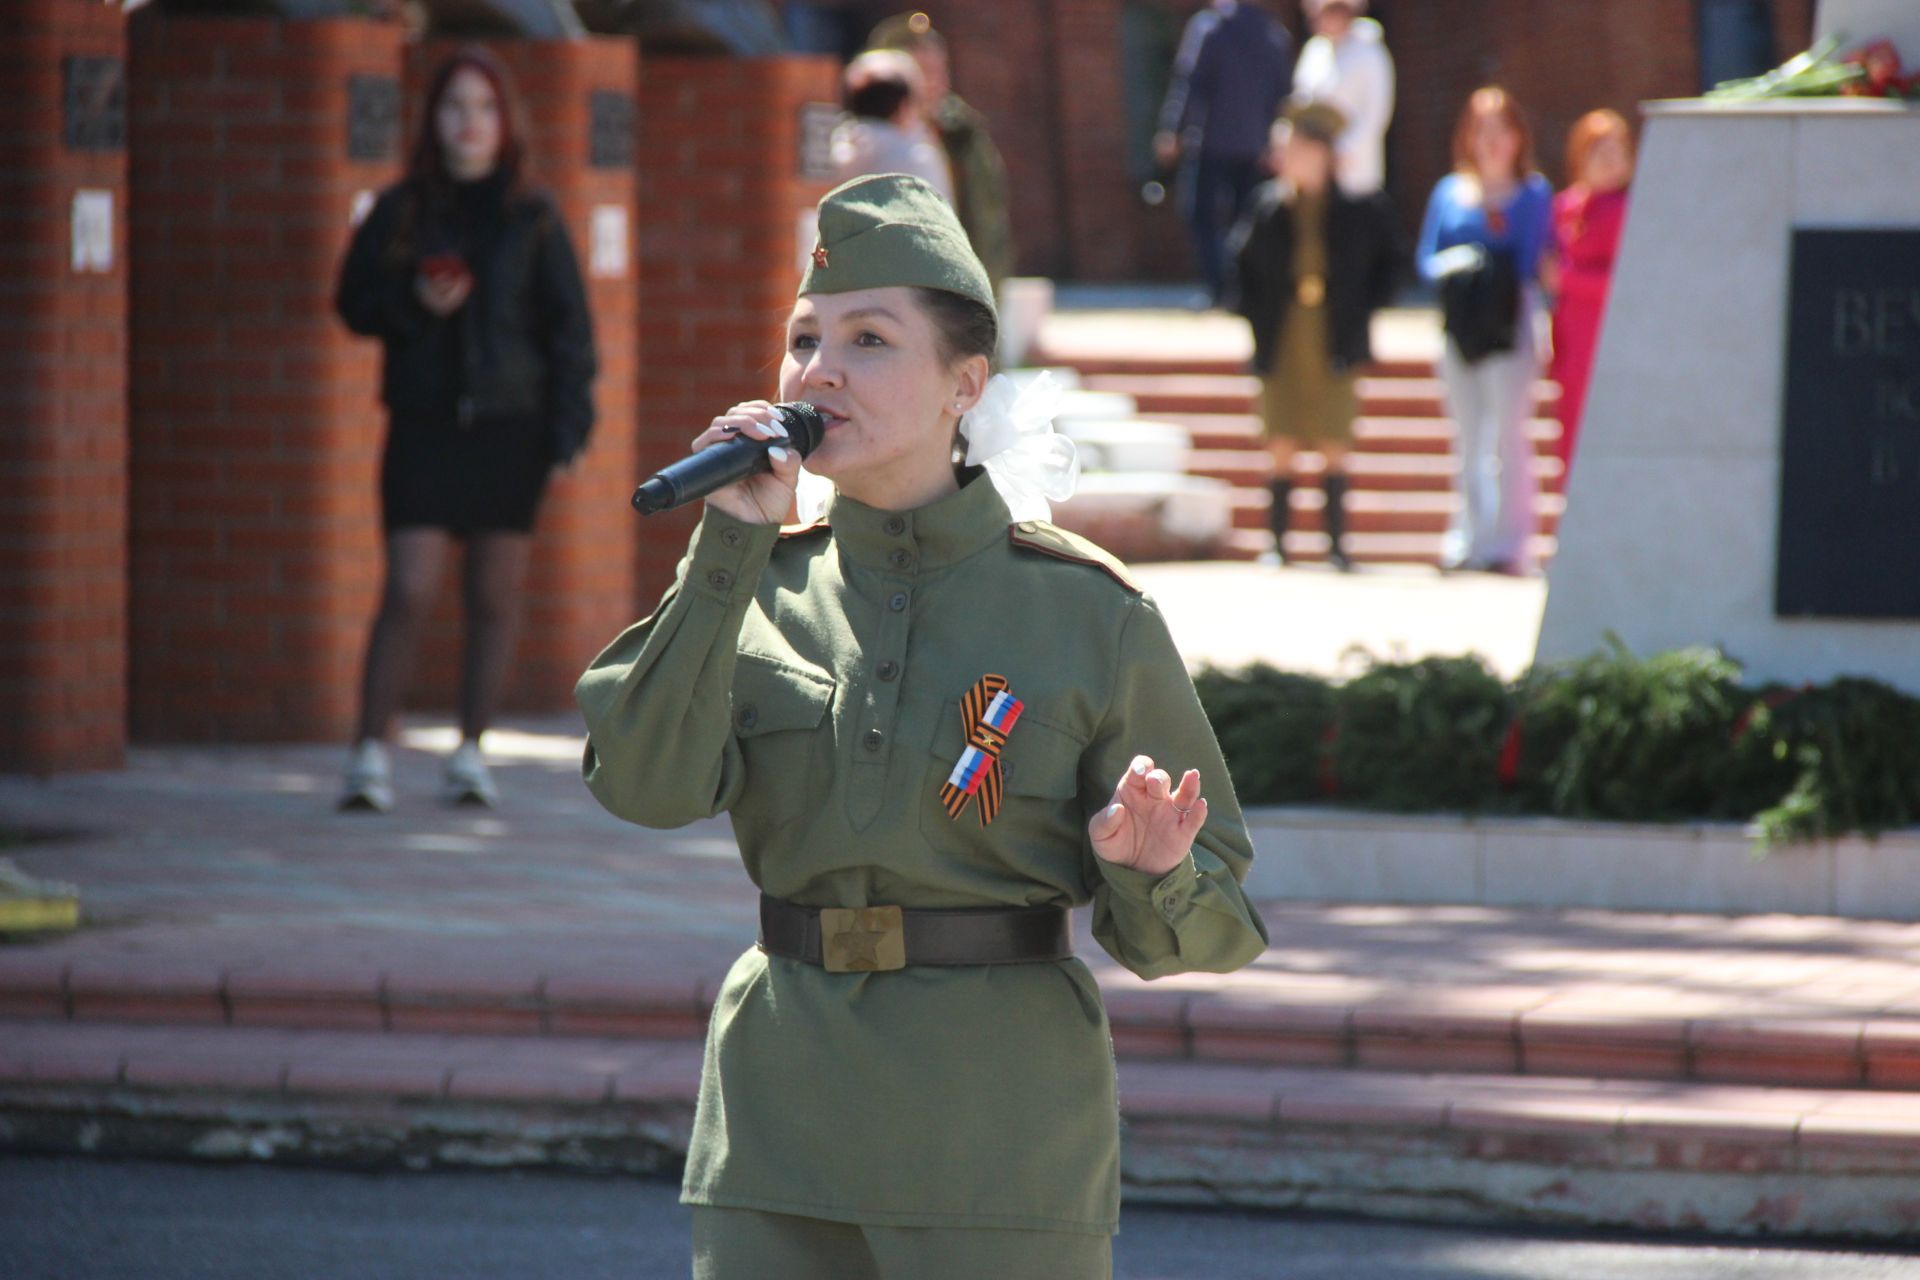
(609, 129)
(1850, 428)
(373, 117)
(96, 103)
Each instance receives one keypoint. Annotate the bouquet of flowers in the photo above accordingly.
(1870, 71)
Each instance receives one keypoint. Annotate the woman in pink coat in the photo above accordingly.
(1587, 220)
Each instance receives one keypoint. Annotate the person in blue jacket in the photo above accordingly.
(1233, 70)
(1486, 225)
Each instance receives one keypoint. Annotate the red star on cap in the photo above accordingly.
(820, 255)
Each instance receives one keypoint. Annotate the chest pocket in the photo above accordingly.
(1039, 807)
(779, 716)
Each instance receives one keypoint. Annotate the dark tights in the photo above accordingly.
(492, 590)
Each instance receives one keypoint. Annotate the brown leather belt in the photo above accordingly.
(878, 939)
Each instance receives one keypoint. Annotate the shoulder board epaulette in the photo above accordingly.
(1051, 540)
(806, 530)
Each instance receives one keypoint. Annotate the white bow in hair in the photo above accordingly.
(1010, 433)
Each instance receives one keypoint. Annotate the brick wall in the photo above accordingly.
(63, 401)
(720, 199)
(581, 583)
(1559, 60)
(255, 435)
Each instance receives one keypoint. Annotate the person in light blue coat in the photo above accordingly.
(1487, 224)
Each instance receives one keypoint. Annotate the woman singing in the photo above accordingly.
(938, 723)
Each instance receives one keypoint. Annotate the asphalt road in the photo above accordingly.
(95, 1220)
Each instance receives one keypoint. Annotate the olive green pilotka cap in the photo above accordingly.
(1321, 121)
(888, 230)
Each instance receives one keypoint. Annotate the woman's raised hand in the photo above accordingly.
(1150, 824)
(765, 497)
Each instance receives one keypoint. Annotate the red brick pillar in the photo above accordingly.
(255, 426)
(723, 192)
(579, 96)
(63, 385)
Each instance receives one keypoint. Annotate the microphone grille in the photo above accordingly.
(804, 425)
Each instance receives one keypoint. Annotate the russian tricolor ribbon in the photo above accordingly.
(988, 713)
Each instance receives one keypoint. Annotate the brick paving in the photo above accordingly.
(221, 889)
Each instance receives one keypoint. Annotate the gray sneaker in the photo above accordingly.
(468, 781)
(369, 784)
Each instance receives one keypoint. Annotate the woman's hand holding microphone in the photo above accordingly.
(765, 497)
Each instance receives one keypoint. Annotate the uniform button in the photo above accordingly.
(874, 740)
(895, 526)
(899, 602)
(746, 717)
(889, 669)
(720, 579)
(901, 559)
(1028, 526)
(731, 537)
(1170, 906)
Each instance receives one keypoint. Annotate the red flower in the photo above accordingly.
(1508, 770)
(1881, 61)
(1329, 780)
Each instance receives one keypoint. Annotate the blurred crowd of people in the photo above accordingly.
(1280, 164)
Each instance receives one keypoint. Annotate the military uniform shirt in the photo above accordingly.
(809, 684)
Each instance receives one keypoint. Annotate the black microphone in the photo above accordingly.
(720, 465)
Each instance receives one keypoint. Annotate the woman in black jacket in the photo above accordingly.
(1313, 266)
(469, 280)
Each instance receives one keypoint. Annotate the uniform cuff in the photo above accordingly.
(1167, 894)
(727, 556)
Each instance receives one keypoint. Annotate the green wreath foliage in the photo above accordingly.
(1677, 736)
(1411, 736)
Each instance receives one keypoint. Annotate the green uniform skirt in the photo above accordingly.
(748, 1244)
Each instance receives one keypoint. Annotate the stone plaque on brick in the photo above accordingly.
(373, 117)
(609, 129)
(1849, 538)
(816, 139)
(96, 103)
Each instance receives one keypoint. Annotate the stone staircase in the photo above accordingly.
(1776, 1090)
(1403, 468)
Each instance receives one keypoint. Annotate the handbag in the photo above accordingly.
(1480, 301)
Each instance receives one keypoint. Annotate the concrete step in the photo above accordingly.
(1456, 1146)
(1219, 364)
(1252, 1017)
(1159, 395)
(1376, 511)
(1370, 472)
(1310, 547)
(1372, 435)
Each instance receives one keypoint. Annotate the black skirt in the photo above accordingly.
(487, 477)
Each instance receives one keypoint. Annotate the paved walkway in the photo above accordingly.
(206, 870)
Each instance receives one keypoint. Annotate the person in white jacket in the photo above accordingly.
(1346, 65)
(885, 128)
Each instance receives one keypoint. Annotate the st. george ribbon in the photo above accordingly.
(720, 465)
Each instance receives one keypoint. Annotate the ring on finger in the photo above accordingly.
(1185, 811)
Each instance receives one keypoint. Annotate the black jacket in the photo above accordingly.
(521, 346)
(1365, 261)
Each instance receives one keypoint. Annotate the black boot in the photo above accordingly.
(1335, 519)
(1279, 514)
